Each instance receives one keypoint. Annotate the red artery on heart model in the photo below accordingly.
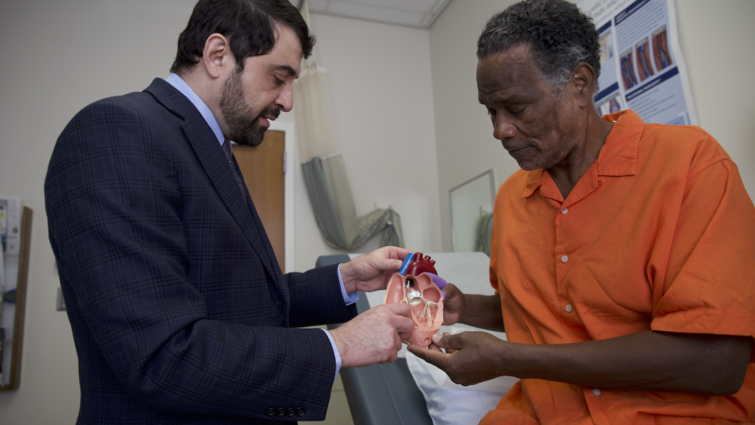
(421, 264)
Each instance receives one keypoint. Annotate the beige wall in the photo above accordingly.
(715, 39)
(63, 55)
(379, 77)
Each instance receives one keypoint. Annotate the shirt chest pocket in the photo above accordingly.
(612, 296)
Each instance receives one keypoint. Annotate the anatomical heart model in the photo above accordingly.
(414, 285)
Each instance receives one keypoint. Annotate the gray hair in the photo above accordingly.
(559, 35)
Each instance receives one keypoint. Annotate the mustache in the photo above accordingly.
(513, 146)
(272, 111)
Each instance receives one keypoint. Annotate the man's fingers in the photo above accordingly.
(451, 290)
(397, 341)
(391, 265)
(434, 347)
(404, 326)
(401, 320)
(437, 280)
(437, 358)
(448, 341)
(404, 336)
(399, 309)
(401, 253)
(391, 252)
(390, 359)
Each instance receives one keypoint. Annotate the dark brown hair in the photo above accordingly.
(249, 26)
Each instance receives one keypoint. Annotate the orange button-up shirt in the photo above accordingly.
(658, 234)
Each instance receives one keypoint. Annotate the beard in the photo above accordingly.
(243, 125)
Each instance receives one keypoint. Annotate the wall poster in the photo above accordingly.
(642, 68)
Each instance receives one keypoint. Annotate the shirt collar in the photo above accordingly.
(534, 181)
(180, 85)
(618, 156)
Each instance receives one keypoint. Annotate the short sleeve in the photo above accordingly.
(710, 278)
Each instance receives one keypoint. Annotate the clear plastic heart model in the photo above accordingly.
(425, 301)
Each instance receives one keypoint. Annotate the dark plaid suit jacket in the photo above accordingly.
(179, 310)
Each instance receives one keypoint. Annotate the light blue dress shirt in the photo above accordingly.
(180, 85)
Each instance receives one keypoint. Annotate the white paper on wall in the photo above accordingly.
(10, 263)
(12, 225)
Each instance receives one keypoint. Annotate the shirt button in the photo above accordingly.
(596, 391)
(565, 210)
(290, 412)
(300, 411)
(568, 308)
(270, 412)
(564, 259)
(281, 411)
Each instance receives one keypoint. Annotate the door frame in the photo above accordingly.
(289, 182)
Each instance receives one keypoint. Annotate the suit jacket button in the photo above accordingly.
(300, 411)
(281, 411)
(290, 412)
(270, 412)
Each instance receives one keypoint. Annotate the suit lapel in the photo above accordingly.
(215, 164)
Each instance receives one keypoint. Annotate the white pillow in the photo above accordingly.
(449, 403)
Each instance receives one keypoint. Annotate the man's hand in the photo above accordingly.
(453, 304)
(470, 357)
(374, 336)
(371, 272)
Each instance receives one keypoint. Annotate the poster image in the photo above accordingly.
(627, 71)
(2, 339)
(610, 105)
(10, 219)
(644, 67)
(606, 46)
(660, 49)
(614, 105)
(3, 224)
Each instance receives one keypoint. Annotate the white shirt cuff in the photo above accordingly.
(349, 299)
(336, 354)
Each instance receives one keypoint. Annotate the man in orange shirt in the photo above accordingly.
(623, 253)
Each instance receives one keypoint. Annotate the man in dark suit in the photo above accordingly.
(179, 310)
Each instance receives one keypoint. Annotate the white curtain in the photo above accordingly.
(313, 127)
(324, 170)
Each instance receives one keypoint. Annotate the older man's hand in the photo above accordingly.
(372, 271)
(453, 304)
(374, 336)
(470, 357)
